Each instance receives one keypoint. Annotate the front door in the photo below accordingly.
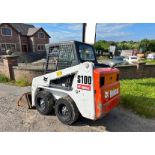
(24, 48)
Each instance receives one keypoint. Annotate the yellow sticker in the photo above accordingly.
(59, 73)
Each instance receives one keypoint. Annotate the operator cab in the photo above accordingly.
(70, 53)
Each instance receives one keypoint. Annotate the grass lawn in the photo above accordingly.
(139, 96)
(3, 79)
(20, 83)
(149, 61)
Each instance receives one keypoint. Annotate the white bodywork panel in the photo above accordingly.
(84, 99)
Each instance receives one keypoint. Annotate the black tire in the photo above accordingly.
(44, 102)
(66, 110)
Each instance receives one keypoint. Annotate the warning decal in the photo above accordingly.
(84, 87)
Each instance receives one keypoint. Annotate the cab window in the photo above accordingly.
(86, 53)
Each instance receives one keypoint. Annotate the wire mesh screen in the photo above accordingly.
(59, 55)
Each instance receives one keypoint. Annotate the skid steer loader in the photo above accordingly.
(79, 85)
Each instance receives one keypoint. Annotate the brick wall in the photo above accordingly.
(25, 41)
(149, 71)
(126, 72)
(28, 74)
(136, 72)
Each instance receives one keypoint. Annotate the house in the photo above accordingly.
(22, 38)
(127, 53)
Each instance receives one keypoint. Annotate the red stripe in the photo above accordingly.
(84, 87)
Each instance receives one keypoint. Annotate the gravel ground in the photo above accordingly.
(15, 118)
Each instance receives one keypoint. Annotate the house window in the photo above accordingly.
(6, 31)
(41, 35)
(5, 47)
(41, 47)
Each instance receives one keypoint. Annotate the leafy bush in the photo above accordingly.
(3, 79)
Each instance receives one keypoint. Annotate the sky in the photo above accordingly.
(104, 31)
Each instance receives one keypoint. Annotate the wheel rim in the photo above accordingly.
(64, 112)
(41, 103)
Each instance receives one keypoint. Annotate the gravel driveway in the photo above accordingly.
(13, 118)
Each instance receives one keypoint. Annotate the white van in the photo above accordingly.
(151, 56)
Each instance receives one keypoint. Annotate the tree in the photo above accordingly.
(144, 45)
(123, 45)
(152, 45)
(102, 45)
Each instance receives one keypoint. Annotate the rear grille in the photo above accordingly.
(102, 79)
(117, 79)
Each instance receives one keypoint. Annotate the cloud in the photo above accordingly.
(75, 27)
(115, 34)
(112, 27)
(73, 31)
(57, 36)
(113, 31)
(62, 31)
(67, 31)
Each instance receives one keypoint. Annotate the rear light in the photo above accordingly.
(117, 78)
(102, 79)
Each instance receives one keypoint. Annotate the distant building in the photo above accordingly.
(22, 38)
(112, 49)
(127, 53)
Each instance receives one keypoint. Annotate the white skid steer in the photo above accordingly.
(80, 85)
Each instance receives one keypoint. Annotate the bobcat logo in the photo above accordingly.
(106, 95)
(45, 79)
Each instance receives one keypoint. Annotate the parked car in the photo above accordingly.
(151, 56)
(119, 60)
(132, 59)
